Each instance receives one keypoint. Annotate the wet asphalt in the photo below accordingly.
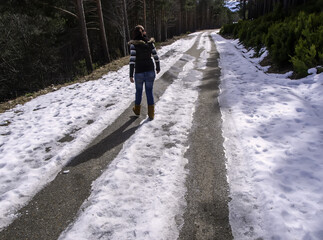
(207, 213)
(206, 217)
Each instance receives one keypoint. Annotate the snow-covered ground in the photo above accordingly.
(273, 130)
(141, 195)
(233, 5)
(37, 139)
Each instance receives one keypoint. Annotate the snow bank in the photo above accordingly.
(273, 133)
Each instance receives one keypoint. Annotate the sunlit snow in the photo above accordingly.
(37, 139)
(273, 132)
(273, 129)
(233, 5)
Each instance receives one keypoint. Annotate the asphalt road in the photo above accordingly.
(206, 216)
(207, 213)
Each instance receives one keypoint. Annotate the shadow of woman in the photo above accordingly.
(119, 136)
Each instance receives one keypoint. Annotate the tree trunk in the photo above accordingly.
(208, 18)
(180, 18)
(126, 25)
(250, 9)
(102, 32)
(163, 24)
(186, 21)
(153, 18)
(85, 39)
(124, 45)
(195, 20)
(165, 29)
(285, 4)
(243, 9)
(145, 15)
(158, 25)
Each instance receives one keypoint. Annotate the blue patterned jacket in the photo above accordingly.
(140, 56)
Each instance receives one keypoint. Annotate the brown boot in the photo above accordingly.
(136, 109)
(151, 111)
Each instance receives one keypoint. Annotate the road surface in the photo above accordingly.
(206, 215)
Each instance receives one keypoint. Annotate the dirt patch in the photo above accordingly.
(228, 36)
(267, 61)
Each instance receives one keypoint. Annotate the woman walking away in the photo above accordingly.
(142, 64)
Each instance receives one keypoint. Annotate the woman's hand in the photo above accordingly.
(131, 80)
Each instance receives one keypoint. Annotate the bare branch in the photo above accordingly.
(66, 11)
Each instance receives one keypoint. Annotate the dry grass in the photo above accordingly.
(96, 74)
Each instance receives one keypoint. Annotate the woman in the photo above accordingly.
(142, 64)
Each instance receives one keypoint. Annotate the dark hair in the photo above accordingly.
(136, 33)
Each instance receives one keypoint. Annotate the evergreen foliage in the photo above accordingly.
(29, 55)
(41, 40)
(292, 38)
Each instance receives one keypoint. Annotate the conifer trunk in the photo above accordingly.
(145, 21)
(158, 25)
(126, 26)
(85, 39)
(102, 32)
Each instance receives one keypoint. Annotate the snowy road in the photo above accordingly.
(141, 194)
(207, 215)
(40, 137)
(131, 178)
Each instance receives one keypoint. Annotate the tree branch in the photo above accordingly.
(65, 11)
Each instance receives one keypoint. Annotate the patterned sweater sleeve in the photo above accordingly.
(156, 58)
(132, 59)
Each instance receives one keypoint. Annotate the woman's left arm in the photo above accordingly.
(156, 58)
(132, 62)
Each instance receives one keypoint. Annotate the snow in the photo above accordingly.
(233, 5)
(37, 139)
(273, 132)
(141, 194)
